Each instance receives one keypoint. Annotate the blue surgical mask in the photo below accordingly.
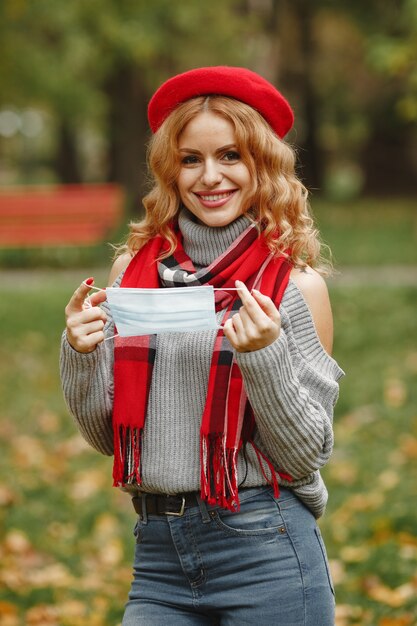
(149, 311)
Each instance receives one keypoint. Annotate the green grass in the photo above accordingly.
(369, 232)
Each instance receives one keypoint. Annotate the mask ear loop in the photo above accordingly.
(87, 301)
(89, 305)
(92, 287)
(214, 288)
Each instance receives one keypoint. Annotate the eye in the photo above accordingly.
(231, 155)
(189, 159)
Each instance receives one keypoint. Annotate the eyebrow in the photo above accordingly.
(231, 146)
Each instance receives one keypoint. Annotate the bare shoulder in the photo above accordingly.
(314, 290)
(311, 284)
(119, 266)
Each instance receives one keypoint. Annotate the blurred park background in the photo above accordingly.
(75, 79)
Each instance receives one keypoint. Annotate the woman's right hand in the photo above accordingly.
(85, 323)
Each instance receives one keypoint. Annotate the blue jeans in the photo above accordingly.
(263, 566)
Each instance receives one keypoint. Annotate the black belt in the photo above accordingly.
(158, 504)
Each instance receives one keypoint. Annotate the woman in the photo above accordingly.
(219, 435)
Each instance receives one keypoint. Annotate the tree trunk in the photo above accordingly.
(294, 29)
(67, 162)
(128, 133)
(387, 163)
(312, 163)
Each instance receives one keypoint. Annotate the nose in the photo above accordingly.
(211, 174)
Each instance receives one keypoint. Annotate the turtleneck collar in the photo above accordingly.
(203, 244)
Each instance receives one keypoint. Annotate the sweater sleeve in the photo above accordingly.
(87, 384)
(292, 387)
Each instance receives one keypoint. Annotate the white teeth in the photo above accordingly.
(215, 197)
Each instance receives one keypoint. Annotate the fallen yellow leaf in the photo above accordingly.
(55, 575)
(394, 598)
(388, 479)
(395, 392)
(405, 620)
(7, 496)
(17, 542)
(7, 608)
(42, 615)
(409, 446)
(354, 554)
(87, 483)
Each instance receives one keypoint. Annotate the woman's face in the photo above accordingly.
(213, 183)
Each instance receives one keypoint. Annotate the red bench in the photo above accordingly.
(62, 215)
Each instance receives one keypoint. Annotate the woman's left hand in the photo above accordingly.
(258, 323)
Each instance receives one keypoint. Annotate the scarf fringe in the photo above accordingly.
(272, 478)
(127, 456)
(219, 485)
(219, 472)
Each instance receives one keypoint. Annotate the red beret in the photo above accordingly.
(235, 82)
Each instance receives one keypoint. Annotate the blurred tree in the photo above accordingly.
(46, 62)
(287, 57)
(350, 68)
(369, 65)
(389, 156)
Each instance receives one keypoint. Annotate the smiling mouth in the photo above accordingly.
(214, 197)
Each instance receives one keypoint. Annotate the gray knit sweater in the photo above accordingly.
(291, 384)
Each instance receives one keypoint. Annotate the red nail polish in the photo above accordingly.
(89, 281)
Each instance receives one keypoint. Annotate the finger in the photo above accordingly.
(239, 328)
(251, 305)
(95, 299)
(243, 292)
(95, 338)
(236, 333)
(246, 320)
(86, 343)
(85, 317)
(254, 334)
(79, 332)
(79, 335)
(76, 303)
(100, 294)
(230, 332)
(266, 305)
(93, 327)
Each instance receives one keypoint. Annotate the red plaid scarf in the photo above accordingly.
(228, 420)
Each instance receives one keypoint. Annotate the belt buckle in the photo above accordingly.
(180, 512)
